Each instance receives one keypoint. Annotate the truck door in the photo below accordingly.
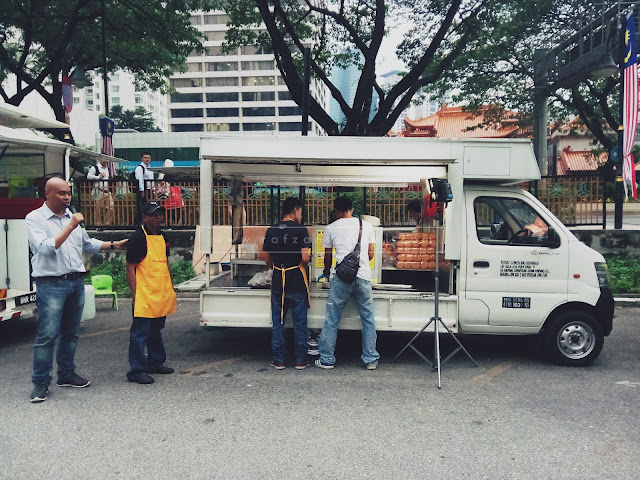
(516, 261)
(15, 255)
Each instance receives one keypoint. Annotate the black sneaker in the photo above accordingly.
(39, 393)
(141, 378)
(75, 381)
(162, 369)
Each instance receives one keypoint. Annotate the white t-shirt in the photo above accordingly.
(343, 236)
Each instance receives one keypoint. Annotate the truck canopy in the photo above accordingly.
(366, 160)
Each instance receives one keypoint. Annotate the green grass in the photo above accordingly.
(624, 274)
(180, 272)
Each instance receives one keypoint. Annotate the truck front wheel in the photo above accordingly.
(573, 338)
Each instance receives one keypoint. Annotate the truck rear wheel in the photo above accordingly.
(573, 338)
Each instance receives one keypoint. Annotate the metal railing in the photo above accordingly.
(575, 200)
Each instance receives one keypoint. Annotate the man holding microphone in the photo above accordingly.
(57, 245)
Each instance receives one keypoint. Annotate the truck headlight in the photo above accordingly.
(602, 273)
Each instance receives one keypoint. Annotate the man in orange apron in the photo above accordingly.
(153, 295)
(286, 250)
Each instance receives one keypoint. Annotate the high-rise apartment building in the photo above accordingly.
(123, 92)
(241, 91)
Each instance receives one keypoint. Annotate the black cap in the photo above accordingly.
(150, 207)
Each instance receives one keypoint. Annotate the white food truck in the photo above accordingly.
(497, 277)
(27, 159)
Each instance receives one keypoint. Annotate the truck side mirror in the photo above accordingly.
(553, 239)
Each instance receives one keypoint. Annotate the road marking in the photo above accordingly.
(114, 330)
(489, 375)
(103, 332)
(205, 367)
(627, 383)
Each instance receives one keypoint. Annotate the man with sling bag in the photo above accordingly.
(343, 235)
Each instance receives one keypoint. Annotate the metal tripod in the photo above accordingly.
(436, 320)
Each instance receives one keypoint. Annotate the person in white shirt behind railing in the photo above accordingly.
(101, 194)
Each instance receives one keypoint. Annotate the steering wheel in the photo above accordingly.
(526, 232)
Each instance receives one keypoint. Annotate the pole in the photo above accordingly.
(619, 180)
(104, 62)
(305, 92)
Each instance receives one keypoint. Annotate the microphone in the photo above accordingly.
(72, 209)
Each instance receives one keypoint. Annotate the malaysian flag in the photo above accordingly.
(106, 131)
(630, 105)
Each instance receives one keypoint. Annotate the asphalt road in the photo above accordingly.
(225, 414)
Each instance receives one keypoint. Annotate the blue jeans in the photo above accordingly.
(299, 305)
(146, 333)
(339, 294)
(60, 303)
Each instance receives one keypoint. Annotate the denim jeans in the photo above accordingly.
(299, 304)
(339, 294)
(146, 333)
(60, 303)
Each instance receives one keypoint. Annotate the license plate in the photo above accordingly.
(25, 299)
(516, 302)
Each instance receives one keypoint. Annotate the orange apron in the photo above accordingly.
(284, 270)
(155, 296)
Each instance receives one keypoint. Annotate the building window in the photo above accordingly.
(89, 103)
(186, 82)
(258, 65)
(292, 126)
(76, 89)
(178, 97)
(284, 96)
(138, 100)
(217, 51)
(258, 111)
(222, 112)
(222, 82)
(258, 96)
(223, 127)
(186, 113)
(286, 111)
(115, 100)
(196, 20)
(216, 19)
(194, 67)
(196, 127)
(222, 66)
(76, 100)
(257, 81)
(215, 36)
(258, 127)
(89, 91)
(115, 88)
(222, 97)
(114, 76)
(251, 50)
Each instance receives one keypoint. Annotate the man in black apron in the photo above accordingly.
(286, 250)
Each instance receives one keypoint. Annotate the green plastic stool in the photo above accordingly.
(102, 286)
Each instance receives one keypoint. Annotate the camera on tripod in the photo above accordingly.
(440, 190)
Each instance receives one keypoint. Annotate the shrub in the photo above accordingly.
(180, 272)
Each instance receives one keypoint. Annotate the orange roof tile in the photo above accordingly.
(453, 122)
(571, 161)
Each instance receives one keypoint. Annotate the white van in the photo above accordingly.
(498, 278)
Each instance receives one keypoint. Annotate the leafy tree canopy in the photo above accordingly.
(504, 73)
(441, 37)
(148, 38)
(138, 119)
